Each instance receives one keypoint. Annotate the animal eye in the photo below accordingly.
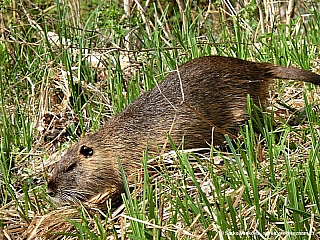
(86, 151)
(71, 167)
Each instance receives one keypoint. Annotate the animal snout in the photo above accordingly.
(51, 189)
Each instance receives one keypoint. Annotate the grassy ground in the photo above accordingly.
(66, 67)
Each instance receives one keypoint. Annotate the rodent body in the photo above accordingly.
(215, 87)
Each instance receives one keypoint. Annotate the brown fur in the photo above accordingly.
(215, 87)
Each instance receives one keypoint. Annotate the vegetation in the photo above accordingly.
(67, 66)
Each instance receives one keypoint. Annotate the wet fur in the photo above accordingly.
(216, 87)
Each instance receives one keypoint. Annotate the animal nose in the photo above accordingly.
(51, 189)
(50, 193)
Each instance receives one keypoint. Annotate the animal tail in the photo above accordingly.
(296, 74)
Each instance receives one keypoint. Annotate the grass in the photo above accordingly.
(266, 184)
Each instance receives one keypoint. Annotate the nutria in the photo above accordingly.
(200, 102)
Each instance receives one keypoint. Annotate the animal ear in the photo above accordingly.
(86, 151)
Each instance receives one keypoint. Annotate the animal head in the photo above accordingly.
(88, 168)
